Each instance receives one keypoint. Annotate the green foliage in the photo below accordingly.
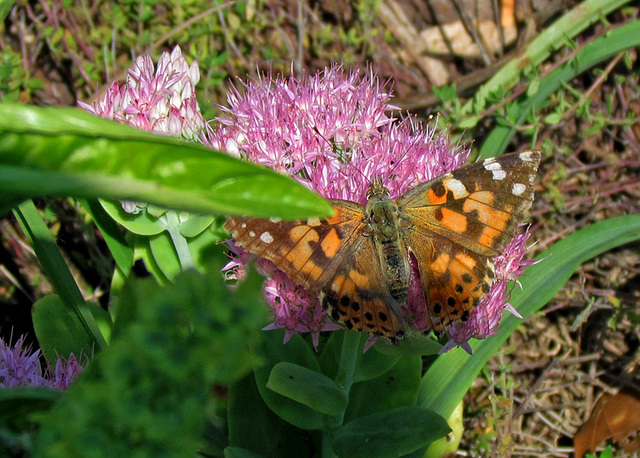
(14, 79)
(307, 387)
(76, 315)
(606, 453)
(332, 402)
(393, 432)
(18, 407)
(147, 393)
(59, 330)
(517, 96)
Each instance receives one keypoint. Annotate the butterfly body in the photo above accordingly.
(360, 259)
(383, 222)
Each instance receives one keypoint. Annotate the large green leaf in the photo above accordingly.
(397, 387)
(296, 351)
(68, 152)
(253, 426)
(393, 432)
(307, 387)
(450, 377)
(59, 330)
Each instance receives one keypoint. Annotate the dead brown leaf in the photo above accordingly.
(614, 415)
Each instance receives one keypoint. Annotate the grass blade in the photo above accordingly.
(56, 269)
(610, 44)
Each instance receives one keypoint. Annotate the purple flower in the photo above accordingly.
(20, 367)
(331, 132)
(161, 101)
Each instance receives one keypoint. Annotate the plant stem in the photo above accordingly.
(179, 242)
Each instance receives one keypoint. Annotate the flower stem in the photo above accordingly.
(179, 242)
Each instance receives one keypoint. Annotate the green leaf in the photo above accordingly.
(59, 330)
(68, 152)
(57, 271)
(451, 375)
(253, 426)
(5, 8)
(469, 122)
(142, 250)
(307, 387)
(553, 119)
(413, 344)
(397, 387)
(17, 404)
(391, 433)
(445, 93)
(448, 445)
(237, 452)
(373, 364)
(193, 225)
(296, 351)
(120, 250)
(141, 223)
(165, 254)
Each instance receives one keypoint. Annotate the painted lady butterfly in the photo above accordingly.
(358, 259)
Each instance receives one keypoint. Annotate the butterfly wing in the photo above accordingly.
(335, 256)
(359, 296)
(457, 223)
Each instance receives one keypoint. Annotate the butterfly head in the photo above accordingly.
(377, 189)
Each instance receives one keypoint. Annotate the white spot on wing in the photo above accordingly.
(499, 175)
(496, 170)
(527, 156)
(275, 219)
(243, 225)
(266, 237)
(518, 189)
(252, 234)
(457, 188)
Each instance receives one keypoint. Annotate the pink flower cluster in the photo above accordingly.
(161, 101)
(20, 367)
(331, 132)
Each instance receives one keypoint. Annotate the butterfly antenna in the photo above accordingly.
(415, 141)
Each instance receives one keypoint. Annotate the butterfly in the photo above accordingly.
(358, 260)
